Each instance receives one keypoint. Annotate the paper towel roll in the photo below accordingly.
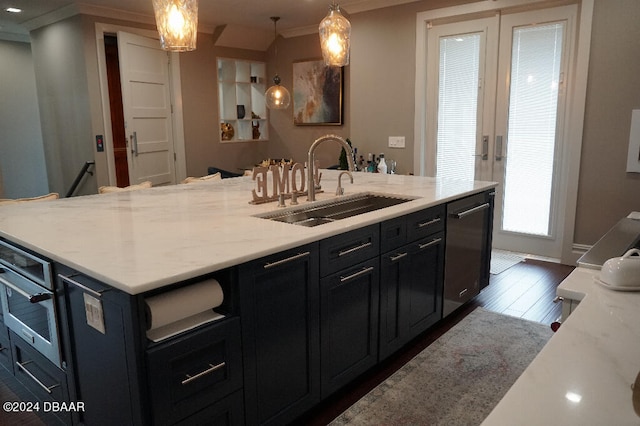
(176, 305)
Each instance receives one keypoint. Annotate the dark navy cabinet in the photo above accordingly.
(124, 378)
(349, 291)
(108, 364)
(348, 324)
(279, 304)
(193, 371)
(412, 276)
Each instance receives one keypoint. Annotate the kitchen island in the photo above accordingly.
(305, 310)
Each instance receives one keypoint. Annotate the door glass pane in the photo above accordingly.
(533, 102)
(33, 315)
(458, 106)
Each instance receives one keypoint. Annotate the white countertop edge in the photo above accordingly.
(593, 357)
(49, 241)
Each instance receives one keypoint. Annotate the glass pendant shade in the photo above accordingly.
(277, 96)
(177, 22)
(335, 37)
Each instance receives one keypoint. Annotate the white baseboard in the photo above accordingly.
(577, 250)
(581, 248)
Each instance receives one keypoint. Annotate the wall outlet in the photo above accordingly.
(93, 311)
(396, 141)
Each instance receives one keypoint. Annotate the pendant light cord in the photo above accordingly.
(275, 20)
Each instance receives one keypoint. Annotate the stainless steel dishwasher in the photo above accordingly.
(468, 249)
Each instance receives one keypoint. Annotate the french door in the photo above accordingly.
(496, 90)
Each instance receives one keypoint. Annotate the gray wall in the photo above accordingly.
(606, 192)
(63, 98)
(287, 140)
(23, 172)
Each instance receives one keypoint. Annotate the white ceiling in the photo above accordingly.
(296, 16)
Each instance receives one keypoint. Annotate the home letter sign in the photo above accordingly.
(284, 178)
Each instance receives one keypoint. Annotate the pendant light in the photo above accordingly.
(177, 22)
(278, 96)
(335, 37)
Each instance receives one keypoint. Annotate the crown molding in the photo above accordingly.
(99, 11)
(19, 37)
(348, 8)
(358, 6)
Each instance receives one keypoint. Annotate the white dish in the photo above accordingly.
(622, 271)
(615, 287)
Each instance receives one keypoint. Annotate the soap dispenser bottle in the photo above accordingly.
(382, 165)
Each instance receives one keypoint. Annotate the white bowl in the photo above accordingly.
(622, 271)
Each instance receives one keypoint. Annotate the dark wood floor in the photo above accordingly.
(525, 290)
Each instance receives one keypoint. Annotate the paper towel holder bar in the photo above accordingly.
(96, 293)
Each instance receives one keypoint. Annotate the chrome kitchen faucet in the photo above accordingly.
(311, 161)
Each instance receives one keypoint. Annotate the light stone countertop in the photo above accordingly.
(143, 240)
(584, 374)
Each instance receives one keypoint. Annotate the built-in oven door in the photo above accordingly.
(29, 310)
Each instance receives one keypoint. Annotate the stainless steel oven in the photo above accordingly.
(28, 302)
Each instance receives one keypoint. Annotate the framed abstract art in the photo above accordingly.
(317, 93)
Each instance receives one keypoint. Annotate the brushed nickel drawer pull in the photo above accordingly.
(209, 370)
(288, 259)
(363, 271)
(22, 367)
(430, 243)
(430, 222)
(398, 256)
(463, 292)
(356, 248)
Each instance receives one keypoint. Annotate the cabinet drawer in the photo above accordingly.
(393, 233)
(191, 372)
(46, 381)
(229, 411)
(405, 229)
(425, 222)
(345, 250)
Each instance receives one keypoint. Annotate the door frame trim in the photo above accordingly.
(176, 100)
(570, 162)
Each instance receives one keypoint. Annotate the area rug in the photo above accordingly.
(501, 261)
(458, 379)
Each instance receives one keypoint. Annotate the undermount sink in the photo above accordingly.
(335, 209)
